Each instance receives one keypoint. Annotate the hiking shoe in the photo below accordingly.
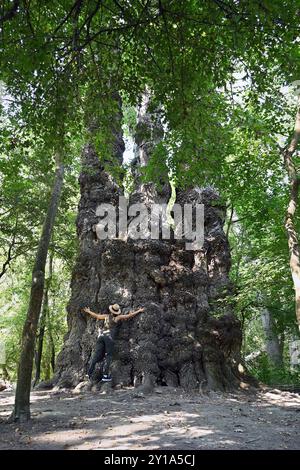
(106, 378)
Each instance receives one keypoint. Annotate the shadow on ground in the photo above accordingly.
(167, 419)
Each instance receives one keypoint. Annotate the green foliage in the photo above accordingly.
(15, 288)
(216, 71)
(268, 374)
(27, 168)
(129, 119)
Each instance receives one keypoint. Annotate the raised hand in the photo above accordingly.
(140, 310)
(87, 310)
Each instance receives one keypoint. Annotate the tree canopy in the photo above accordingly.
(223, 77)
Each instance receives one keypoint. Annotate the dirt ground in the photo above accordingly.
(166, 419)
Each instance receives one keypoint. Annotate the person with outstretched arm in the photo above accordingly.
(105, 342)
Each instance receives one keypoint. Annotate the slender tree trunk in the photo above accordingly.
(52, 360)
(281, 339)
(40, 339)
(294, 180)
(230, 221)
(273, 348)
(51, 342)
(22, 399)
(6, 375)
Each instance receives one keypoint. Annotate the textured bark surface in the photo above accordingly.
(183, 337)
(176, 340)
(273, 347)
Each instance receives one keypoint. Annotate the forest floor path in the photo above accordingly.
(166, 419)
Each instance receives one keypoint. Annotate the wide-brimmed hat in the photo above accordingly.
(115, 309)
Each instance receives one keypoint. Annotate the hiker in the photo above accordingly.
(105, 341)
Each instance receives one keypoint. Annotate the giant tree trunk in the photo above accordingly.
(184, 336)
(22, 398)
(290, 222)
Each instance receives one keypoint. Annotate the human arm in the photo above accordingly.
(129, 315)
(98, 316)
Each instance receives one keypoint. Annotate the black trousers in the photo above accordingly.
(104, 349)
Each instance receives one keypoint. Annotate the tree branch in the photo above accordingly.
(9, 253)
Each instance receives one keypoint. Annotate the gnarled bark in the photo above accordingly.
(184, 337)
